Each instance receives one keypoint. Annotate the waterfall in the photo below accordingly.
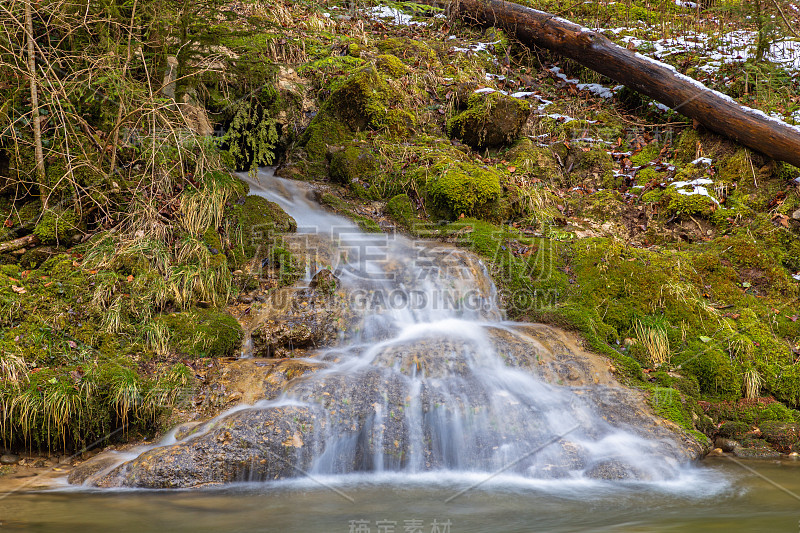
(433, 379)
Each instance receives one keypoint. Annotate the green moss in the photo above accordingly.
(596, 164)
(604, 205)
(285, 264)
(255, 222)
(354, 163)
(686, 146)
(343, 208)
(786, 172)
(676, 203)
(399, 122)
(534, 162)
(491, 119)
(391, 65)
(648, 174)
(463, 188)
(715, 373)
(324, 131)
(401, 210)
(646, 155)
(56, 226)
(667, 403)
(734, 430)
(203, 332)
(408, 50)
(360, 101)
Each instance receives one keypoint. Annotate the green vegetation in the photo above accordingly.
(146, 237)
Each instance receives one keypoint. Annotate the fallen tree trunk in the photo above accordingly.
(714, 110)
(18, 244)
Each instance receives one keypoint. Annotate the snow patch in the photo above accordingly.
(695, 187)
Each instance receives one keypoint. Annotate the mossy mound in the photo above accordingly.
(490, 120)
(203, 333)
(354, 163)
(391, 65)
(56, 226)
(408, 50)
(401, 210)
(460, 188)
(534, 162)
(360, 101)
(255, 221)
(594, 166)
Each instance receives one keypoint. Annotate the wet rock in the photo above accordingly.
(756, 449)
(300, 319)
(81, 473)
(249, 445)
(726, 445)
(614, 470)
(284, 372)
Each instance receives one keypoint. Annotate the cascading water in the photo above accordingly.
(429, 379)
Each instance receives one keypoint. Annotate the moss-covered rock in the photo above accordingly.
(390, 65)
(490, 120)
(734, 430)
(595, 165)
(254, 222)
(354, 163)
(203, 332)
(360, 101)
(461, 188)
(343, 208)
(56, 226)
(782, 435)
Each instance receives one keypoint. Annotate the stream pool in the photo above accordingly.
(717, 495)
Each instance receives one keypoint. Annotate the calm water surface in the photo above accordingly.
(719, 495)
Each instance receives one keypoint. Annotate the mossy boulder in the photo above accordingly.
(461, 188)
(354, 163)
(402, 211)
(56, 226)
(357, 102)
(391, 65)
(490, 120)
(360, 101)
(203, 332)
(257, 221)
